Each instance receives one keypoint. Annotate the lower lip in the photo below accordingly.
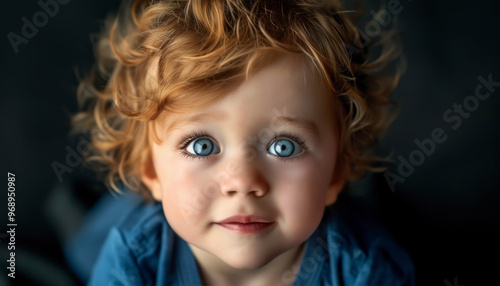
(246, 227)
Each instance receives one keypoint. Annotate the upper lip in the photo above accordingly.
(245, 219)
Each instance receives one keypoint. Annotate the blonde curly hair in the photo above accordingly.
(195, 45)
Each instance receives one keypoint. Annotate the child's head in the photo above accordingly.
(223, 108)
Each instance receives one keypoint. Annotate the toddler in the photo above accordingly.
(239, 122)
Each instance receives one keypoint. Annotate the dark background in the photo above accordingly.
(446, 213)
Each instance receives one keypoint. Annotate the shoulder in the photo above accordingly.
(144, 222)
(363, 251)
(129, 254)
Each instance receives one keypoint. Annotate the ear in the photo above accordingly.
(150, 179)
(338, 182)
(334, 191)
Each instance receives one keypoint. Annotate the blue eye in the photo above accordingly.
(285, 148)
(202, 147)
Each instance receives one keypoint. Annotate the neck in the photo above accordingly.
(214, 271)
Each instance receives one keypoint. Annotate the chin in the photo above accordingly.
(247, 262)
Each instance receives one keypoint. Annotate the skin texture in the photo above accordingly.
(242, 177)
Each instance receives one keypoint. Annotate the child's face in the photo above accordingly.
(267, 149)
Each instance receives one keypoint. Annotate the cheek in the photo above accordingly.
(301, 192)
(186, 191)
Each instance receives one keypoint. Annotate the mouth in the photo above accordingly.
(245, 219)
(246, 224)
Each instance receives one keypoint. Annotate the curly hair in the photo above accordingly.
(194, 45)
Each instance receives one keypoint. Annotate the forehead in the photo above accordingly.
(286, 86)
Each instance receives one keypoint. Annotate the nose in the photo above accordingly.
(244, 178)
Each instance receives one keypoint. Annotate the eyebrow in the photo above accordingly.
(297, 122)
(301, 123)
(177, 123)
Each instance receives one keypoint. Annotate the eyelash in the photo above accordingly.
(186, 139)
(294, 137)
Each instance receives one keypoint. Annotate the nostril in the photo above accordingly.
(256, 193)
(231, 193)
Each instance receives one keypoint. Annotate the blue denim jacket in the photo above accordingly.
(344, 250)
